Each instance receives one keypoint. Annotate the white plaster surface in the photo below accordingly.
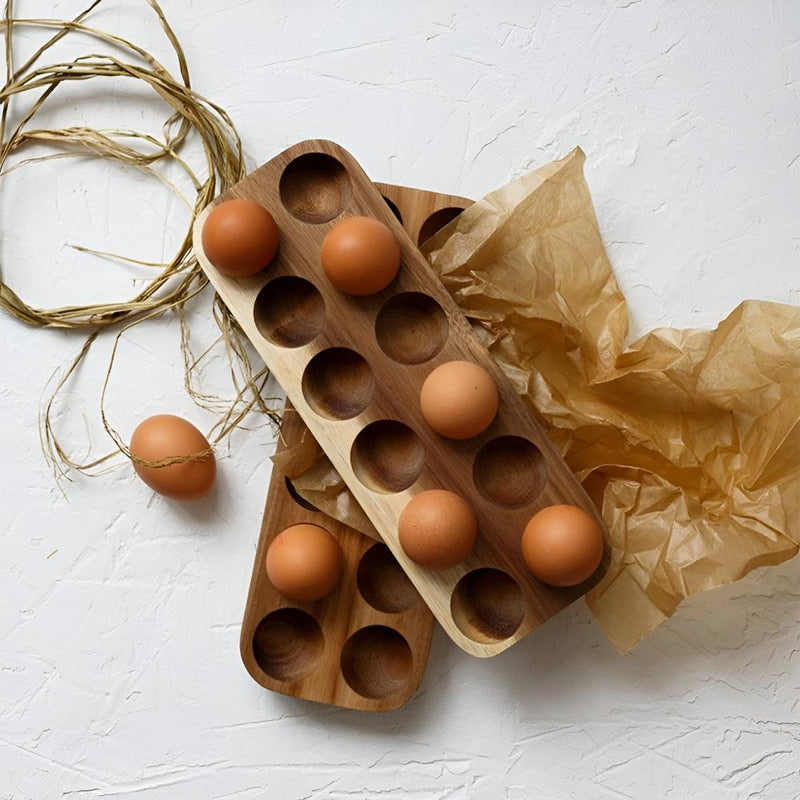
(120, 612)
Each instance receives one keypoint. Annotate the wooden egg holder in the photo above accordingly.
(353, 368)
(318, 651)
(364, 646)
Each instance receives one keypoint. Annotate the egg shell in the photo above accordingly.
(304, 563)
(166, 436)
(562, 545)
(437, 529)
(459, 399)
(240, 238)
(360, 256)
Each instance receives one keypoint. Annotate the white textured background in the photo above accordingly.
(119, 667)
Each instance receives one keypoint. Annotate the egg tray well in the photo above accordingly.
(364, 646)
(353, 367)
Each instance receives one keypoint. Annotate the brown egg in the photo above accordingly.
(240, 238)
(562, 545)
(165, 436)
(437, 529)
(304, 563)
(360, 256)
(459, 399)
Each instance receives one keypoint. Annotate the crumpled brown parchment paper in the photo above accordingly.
(687, 440)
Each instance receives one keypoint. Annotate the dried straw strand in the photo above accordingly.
(177, 281)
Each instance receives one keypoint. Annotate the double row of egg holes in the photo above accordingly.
(561, 545)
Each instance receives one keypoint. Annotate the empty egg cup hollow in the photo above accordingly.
(436, 222)
(315, 188)
(338, 383)
(510, 471)
(411, 328)
(289, 311)
(394, 209)
(487, 605)
(377, 662)
(297, 497)
(382, 582)
(387, 456)
(288, 644)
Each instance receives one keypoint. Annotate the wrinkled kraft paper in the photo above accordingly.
(687, 440)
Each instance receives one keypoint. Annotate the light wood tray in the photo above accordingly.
(353, 368)
(302, 649)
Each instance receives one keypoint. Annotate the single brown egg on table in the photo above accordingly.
(240, 238)
(360, 256)
(437, 529)
(164, 437)
(562, 545)
(304, 563)
(459, 399)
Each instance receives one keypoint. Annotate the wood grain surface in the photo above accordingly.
(385, 452)
(364, 646)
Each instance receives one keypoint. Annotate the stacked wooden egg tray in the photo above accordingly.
(365, 645)
(353, 368)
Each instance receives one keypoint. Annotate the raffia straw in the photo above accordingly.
(176, 282)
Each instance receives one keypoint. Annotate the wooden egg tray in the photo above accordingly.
(301, 649)
(364, 646)
(353, 368)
